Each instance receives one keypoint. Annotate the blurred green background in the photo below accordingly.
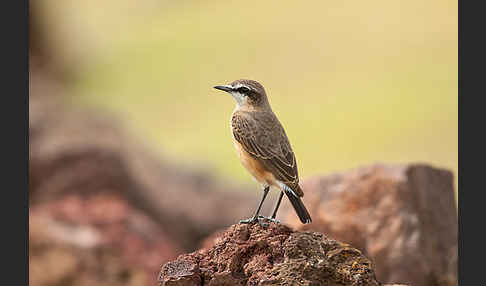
(353, 82)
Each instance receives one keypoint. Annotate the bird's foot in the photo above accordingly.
(259, 220)
(270, 219)
(249, 220)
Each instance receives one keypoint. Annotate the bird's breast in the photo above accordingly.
(254, 166)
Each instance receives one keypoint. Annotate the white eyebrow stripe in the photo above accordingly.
(242, 85)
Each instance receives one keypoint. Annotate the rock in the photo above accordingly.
(86, 152)
(403, 217)
(274, 255)
(100, 240)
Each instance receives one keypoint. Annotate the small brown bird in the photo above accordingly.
(263, 146)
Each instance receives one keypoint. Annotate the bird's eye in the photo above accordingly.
(243, 89)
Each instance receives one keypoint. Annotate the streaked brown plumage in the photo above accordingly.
(266, 148)
(262, 144)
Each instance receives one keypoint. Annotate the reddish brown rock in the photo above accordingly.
(402, 217)
(101, 240)
(275, 255)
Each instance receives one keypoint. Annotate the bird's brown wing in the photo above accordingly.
(264, 138)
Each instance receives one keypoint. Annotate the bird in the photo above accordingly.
(263, 147)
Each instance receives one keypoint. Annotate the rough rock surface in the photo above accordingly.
(100, 240)
(274, 255)
(402, 217)
(79, 151)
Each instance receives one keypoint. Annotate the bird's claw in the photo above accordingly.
(262, 220)
(249, 220)
(271, 219)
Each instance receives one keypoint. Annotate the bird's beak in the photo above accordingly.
(227, 88)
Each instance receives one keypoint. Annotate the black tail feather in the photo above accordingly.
(299, 207)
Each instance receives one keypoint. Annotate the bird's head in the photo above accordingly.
(248, 94)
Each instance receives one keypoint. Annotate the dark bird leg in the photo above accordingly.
(274, 215)
(255, 217)
(272, 218)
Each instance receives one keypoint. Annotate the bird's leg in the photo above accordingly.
(255, 217)
(274, 214)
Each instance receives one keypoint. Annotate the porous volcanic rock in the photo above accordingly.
(403, 217)
(274, 255)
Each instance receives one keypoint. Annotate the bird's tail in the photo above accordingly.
(298, 205)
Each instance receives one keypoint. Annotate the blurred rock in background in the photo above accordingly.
(403, 217)
(97, 240)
